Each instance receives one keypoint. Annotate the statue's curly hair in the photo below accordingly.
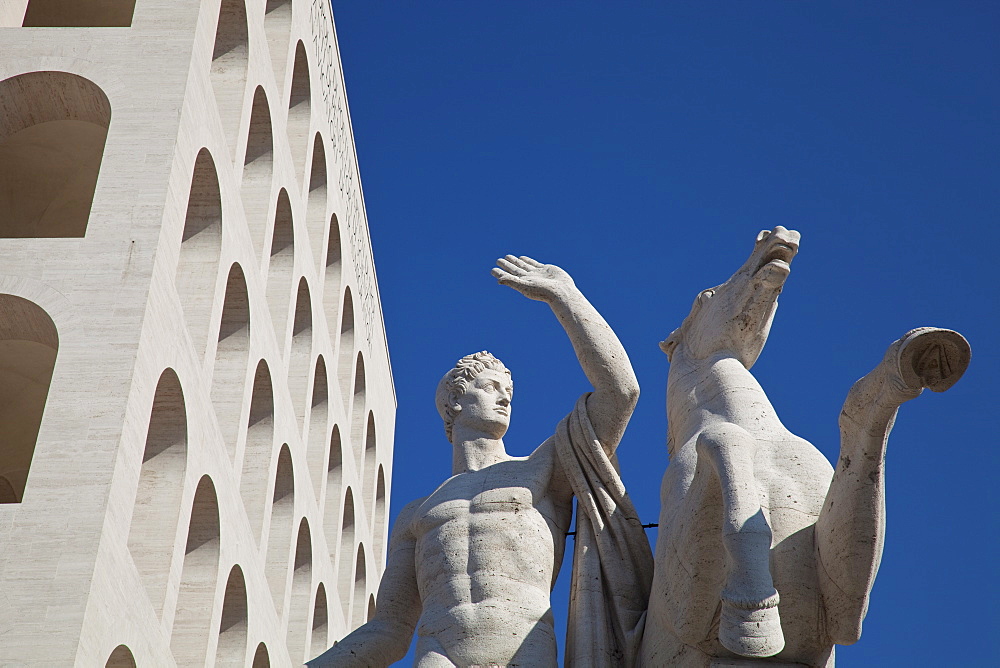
(457, 380)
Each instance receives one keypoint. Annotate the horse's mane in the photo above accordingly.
(669, 344)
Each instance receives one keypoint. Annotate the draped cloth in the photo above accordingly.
(612, 560)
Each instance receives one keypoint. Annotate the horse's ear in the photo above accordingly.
(668, 344)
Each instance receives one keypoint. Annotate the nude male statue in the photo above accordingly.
(471, 566)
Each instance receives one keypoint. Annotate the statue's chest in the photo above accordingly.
(512, 499)
(469, 498)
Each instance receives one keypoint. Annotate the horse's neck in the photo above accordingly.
(718, 386)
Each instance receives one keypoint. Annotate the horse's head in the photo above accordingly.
(736, 316)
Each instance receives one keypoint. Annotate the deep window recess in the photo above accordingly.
(53, 126)
(28, 347)
(79, 14)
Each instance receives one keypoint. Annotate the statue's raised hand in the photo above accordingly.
(534, 280)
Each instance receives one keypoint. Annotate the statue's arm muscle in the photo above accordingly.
(616, 389)
(385, 638)
(603, 359)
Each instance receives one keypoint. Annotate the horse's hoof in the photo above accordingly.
(932, 358)
(753, 633)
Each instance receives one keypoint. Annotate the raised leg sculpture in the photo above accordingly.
(851, 527)
(749, 623)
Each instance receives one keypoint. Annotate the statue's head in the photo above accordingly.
(476, 392)
(736, 317)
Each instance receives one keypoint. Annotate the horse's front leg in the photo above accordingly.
(749, 624)
(851, 526)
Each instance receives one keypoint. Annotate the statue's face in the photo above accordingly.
(485, 404)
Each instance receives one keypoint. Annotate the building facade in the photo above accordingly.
(195, 393)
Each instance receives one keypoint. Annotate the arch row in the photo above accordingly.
(158, 523)
(81, 119)
(308, 628)
(201, 250)
(231, 380)
(248, 109)
(284, 224)
(194, 622)
(199, 276)
(238, 97)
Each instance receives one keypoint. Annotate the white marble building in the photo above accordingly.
(195, 394)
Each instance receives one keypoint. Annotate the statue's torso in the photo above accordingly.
(488, 547)
(793, 478)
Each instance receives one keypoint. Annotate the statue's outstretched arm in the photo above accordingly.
(385, 638)
(601, 355)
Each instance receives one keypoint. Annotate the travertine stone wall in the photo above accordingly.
(209, 483)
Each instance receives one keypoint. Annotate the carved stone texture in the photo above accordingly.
(174, 486)
(764, 549)
(474, 562)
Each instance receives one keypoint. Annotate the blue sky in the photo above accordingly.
(642, 146)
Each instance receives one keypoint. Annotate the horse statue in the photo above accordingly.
(764, 549)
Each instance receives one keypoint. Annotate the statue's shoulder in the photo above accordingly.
(545, 452)
(410, 512)
(547, 470)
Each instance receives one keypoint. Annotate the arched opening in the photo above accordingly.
(261, 658)
(358, 412)
(53, 126)
(161, 482)
(320, 408)
(298, 360)
(201, 245)
(371, 607)
(346, 364)
(316, 206)
(279, 271)
(346, 552)
(360, 582)
(121, 657)
(79, 14)
(232, 649)
(259, 447)
(229, 66)
(299, 109)
(258, 163)
(277, 24)
(279, 540)
(334, 474)
(368, 473)
(28, 347)
(298, 613)
(189, 640)
(320, 624)
(380, 517)
(332, 274)
(231, 357)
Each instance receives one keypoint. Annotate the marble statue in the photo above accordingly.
(472, 565)
(764, 549)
